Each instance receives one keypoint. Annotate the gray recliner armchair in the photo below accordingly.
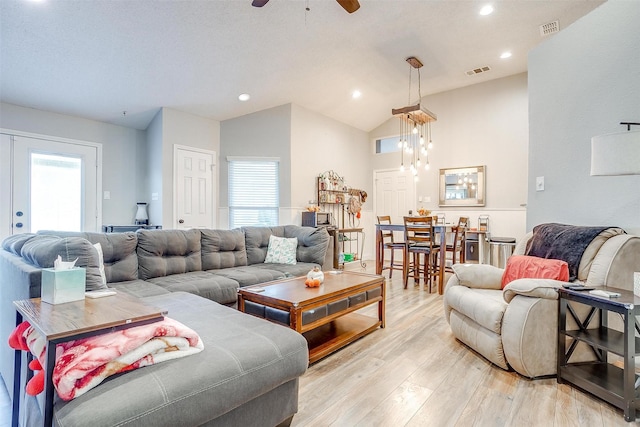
(517, 327)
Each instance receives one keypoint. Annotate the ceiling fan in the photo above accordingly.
(348, 5)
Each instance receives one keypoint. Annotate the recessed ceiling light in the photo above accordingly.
(356, 94)
(244, 97)
(486, 10)
(505, 55)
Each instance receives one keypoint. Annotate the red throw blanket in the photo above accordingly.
(83, 364)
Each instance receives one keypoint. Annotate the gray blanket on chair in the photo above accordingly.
(564, 242)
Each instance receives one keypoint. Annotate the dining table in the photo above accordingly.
(441, 231)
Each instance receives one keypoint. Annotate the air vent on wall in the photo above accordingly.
(549, 28)
(478, 71)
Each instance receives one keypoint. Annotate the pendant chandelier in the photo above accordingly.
(415, 128)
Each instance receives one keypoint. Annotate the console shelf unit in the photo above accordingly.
(614, 384)
(333, 197)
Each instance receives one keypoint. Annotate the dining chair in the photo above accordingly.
(388, 242)
(456, 247)
(419, 239)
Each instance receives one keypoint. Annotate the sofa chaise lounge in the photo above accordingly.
(248, 372)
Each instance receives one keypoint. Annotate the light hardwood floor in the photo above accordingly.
(414, 373)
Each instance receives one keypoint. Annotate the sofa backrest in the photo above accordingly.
(312, 242)
(42, 250)
(165, 252)
(223, 249)
(589, 254)
(119, 252)
(257, 241)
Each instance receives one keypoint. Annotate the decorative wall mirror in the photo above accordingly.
(462, 186)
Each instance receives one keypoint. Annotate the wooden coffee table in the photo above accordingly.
(326, 316)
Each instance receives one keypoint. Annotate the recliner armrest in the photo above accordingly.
(535, 288)
(478, 276)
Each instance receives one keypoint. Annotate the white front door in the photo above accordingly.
(194, 188)
(54, 185)
(395, 194)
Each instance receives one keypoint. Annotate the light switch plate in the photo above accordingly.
(106, 195)
(540, 183)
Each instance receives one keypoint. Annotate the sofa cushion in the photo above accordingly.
(223, 249)
(250, 274)
(281, 250)
(166, 252)
(118, 249)
(14, 243)
(312, 243)
(139, 288)
(479, 276)
(208, 285)
(243, 358)
(257, 242)
(42, 250)
(288, 270)
(484, 306)
(565, 242)
(530, 267)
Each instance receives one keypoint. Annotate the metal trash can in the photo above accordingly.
(501, 248)
(476, 248)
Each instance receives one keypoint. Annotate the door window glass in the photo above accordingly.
(56, 192)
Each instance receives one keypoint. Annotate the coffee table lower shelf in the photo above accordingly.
(336, 334)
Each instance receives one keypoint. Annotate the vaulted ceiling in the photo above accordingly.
(97, 59)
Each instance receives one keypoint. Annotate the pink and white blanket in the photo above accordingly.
(83, 364)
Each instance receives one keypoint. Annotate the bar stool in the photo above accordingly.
(388, 242)
(419, 242)
(457, 246)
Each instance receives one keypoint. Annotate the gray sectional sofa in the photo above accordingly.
(247, 374)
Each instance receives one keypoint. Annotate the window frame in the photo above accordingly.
(273, 199)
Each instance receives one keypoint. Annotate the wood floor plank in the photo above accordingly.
(398, 408)
(415, 373)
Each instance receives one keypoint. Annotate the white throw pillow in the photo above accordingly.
(281, 250)
(98, 247)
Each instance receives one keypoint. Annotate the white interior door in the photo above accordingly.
(54, 185)
(194, 188)
(395, 194)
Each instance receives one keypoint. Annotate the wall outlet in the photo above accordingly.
(154, 196)
(540, 183)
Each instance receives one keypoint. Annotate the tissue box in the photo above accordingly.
(60, 286)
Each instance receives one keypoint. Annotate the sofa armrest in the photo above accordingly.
(478, 276)
(535, 288)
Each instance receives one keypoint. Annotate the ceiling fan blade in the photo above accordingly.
(259, 3)
(349, 5)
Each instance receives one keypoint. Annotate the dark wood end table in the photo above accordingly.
(600, 377)
(71, 321)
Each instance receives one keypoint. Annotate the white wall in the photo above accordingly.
(155, 183)
(266, 133)
(482, 124)
(180, 128)
(583, 82)
(123, 172)
(319, 144)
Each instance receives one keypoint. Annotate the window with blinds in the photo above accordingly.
(253, 192)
